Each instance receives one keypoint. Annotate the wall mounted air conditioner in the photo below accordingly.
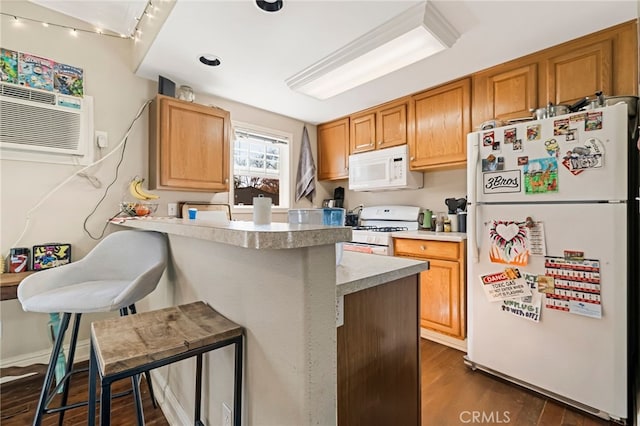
(36, 125)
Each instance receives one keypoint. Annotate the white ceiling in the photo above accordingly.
(260, 50)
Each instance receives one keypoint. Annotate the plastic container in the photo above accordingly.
(306, 216)
(334, 216)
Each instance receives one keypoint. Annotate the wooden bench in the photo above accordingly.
(130, 345)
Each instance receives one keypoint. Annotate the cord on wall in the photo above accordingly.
(82, 170)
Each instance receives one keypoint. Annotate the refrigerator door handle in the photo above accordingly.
(472, 164)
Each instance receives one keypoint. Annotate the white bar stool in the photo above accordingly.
(120, 270)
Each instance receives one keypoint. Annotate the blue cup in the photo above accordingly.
(334, 216)
(192, 213)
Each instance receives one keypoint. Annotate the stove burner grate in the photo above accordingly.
(381, 228)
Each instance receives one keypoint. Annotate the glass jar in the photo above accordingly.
(185, 93)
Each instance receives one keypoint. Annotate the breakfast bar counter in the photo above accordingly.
(281, 283)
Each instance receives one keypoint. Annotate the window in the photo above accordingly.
(260, 166)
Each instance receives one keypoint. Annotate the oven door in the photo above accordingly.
(368, 248)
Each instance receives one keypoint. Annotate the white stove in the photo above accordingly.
(377, 225)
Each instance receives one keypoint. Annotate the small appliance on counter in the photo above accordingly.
(337, 200)
(353, 216)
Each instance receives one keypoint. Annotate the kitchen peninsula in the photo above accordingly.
(280, 282)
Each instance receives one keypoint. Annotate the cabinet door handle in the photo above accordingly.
(226, 180)
(412, 158)
(380, 143)
(423, 247)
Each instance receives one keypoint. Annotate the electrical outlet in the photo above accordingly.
(102, 139)
(172, 209)
(227, 415)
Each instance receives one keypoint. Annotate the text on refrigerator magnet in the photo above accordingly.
(501, 182)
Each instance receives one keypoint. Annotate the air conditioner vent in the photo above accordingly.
(25, 93)
(26, 125)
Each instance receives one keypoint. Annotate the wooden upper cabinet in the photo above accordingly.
(579, 72)
(363, 132)
(333, 150)
(505, 92)
(391, 124)
(188, 146)
(441, 122)
(382, 127)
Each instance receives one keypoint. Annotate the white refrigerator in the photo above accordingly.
(547, 257)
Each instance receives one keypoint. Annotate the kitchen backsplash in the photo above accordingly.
(438, 185)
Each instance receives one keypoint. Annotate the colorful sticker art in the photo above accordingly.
(572, 135)
(576, 286)
(581, 158)
(533, 132)
(509, 243)
(560, 127)
(487, 138)
(8, 66)
(541, 176)
(593, 121)
(510, 135)
(517, 145)
(552, 147)
(492, 163)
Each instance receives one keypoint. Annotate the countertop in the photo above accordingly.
(430, 235)
(245, 234)
(359, 271)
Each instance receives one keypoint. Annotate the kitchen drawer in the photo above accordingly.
(427, 248)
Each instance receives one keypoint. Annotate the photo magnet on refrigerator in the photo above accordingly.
(560, 127)
(488, 138)
(593, 121)
(510, 135)
(572, 135)
(551, 145)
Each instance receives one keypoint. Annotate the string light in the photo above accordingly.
(72, 30)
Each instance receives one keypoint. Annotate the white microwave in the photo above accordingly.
(383, 170)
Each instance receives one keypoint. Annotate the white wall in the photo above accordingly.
(118, 94)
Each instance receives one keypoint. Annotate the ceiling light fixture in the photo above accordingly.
(210, 60)
(270, 5)
(413, 35)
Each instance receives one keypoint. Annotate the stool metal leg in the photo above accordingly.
(196, 416)
(138, 399)
(105, 403)
(57, 347)
(237, 384)
(72, 353)
(93, 368)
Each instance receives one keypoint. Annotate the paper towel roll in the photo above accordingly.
(453, 218)
(261, 210)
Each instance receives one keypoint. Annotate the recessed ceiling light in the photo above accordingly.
(211, 60)
(269, 5)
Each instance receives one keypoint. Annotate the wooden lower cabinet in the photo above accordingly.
(379, 356)
(443, 286)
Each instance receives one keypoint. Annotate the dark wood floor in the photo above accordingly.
(451, 393)
(19, 398)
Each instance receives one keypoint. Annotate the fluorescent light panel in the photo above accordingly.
(415, 34)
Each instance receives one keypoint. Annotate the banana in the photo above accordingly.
(135, 189)
(132, 189)
(143, 193)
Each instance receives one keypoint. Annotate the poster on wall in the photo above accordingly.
(35, 72)
(40, 73)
